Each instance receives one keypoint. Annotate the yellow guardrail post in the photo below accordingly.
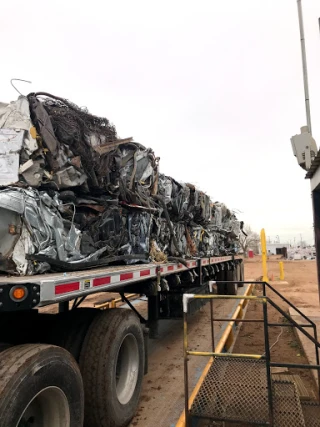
(281, 270)
(264, 255)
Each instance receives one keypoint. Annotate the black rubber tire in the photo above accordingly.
(27, 369)
(239, 275)
(232, 288)
(221, 288)
(98, 361)
(4, 346)
(242, 271)
(70, 329)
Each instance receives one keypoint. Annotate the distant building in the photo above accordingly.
(277, 248)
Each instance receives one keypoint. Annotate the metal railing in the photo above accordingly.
(265, 300)
(310, 323)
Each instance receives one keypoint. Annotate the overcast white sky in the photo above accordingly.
(214, 87)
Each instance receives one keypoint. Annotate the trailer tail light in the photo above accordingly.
(17, 297)
(18, 293)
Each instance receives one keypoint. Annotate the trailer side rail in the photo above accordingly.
(55, 288)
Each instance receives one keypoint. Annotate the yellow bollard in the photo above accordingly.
(264, 255)
(281, 270)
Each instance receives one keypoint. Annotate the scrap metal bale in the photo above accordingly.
(109, 230)
(130, 171)
(42, 230)
(165, 188)
(160, 234)
(139, 228)
(181, 238)
(62, 123)
(180, 200)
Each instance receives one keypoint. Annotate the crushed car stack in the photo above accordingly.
(74, 196)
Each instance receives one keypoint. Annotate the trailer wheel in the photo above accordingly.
(40, 385)
(70, 330)
(242, 271)
(112, 366)
(221, 287)
(4, 346)
(232, 288)
(239, 275)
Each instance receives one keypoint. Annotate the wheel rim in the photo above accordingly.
(49, 408)
(127, 369)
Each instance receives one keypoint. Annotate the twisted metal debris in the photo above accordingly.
(74, 196)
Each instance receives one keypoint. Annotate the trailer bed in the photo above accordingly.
(57, 287)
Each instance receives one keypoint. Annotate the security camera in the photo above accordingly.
(304, 148)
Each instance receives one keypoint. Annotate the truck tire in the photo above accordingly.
(4, 346)
(70, 329)
(239, 275)
(232, 288)
(40, 385)
(242, 271)
(221, 288)
(112, 366)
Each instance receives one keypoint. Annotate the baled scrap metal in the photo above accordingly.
(130, 172)
(65, 127)
(38, 227)
(73, 193)
(180, 200)
(139, 225)
(40, 224)
(34, 161)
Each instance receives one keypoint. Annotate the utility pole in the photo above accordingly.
(304, 66)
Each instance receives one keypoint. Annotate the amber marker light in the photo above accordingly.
(18, 293)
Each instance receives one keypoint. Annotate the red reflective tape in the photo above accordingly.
(180, 266)
(144, 273)
(170, 268)
(101, 281)
(126, 276)
(161, 269)
(66, 287)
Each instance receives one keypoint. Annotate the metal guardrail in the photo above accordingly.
(215, 353)
(186, 299)
(226, 341)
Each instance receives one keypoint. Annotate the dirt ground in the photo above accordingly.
(301, 290)
(162, 398)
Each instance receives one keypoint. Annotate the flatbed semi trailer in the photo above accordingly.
(85, 366)
(76, 199)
